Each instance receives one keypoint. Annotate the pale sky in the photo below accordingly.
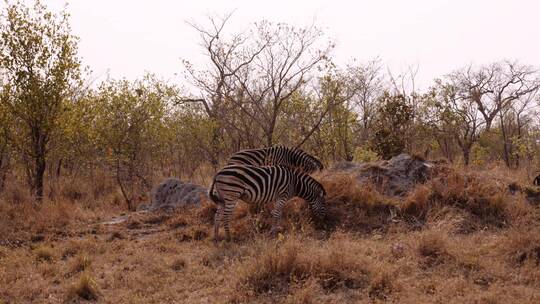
(131, 37)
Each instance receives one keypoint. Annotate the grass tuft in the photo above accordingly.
(86, 288)
(44, 254)
(178, 264)
(80, 263)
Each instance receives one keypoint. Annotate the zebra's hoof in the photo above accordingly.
(275, 231)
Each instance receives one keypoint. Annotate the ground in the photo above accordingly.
(453, 240)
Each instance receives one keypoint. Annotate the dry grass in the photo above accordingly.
(459, 238)
(80, 263)
(280, 266)
(44, 253)
(432, 248)
(523, 247)
(67, 203)
(178, 264)
(86, 288)
(356, 207)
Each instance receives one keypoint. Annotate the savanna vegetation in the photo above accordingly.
(76, 152)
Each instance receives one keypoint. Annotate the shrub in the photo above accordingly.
(74, 189)
(393, 120)
(362, 154)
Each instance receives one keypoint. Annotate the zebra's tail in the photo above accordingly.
(213, 194)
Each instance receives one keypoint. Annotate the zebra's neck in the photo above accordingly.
(301, 186)
(279, 155)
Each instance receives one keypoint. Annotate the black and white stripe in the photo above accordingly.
(275, 156)
(261, 185)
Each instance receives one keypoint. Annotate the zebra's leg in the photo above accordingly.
(217, 221)
(226, 217)
(276, 214)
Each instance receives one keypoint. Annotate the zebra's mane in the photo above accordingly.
(302, 174)
(301, 152)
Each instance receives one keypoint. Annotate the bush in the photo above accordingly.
(393, 120)
(363, 154)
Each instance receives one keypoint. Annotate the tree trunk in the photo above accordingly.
(518, 121)
(38, 176)
(59, 168)
(506, 153)
(269, 136)
(214, 157)
(121, 185)
(39, 159)
(466, 155)
(4, 167)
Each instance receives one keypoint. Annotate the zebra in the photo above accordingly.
(261, 185)
(277, 155)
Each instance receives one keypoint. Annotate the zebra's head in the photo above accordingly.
(318, 202)
(318, 165)
(311, 164)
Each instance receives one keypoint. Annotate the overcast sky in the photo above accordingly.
(131, 37)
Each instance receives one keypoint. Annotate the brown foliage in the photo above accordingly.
(86, 288)
(277, 268)
(371, 254)
(354, 206)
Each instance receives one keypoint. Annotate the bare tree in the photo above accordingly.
(494, 87)
(254, 73)
(456, 116)
(514, 121)
(368, 83)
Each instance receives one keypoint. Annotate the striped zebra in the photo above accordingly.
(275, 156)
(261, 185)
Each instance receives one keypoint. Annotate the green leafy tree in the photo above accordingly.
(394, 118)
(339, 120)
(39, 67)
(455, 116)
(130, 129)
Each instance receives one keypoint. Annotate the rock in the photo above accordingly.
(173, 193)
(395, 177)
(143, 207)
(532, 194)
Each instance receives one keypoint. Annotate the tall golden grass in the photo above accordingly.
(461, 237)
